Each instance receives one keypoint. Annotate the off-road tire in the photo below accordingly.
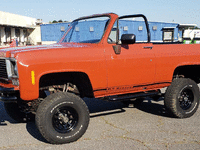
(182, 98)
(13, 110)
(62, 118)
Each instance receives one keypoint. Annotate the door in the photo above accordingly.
(133, 68)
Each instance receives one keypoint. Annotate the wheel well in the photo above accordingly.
(189, 71)
(80, 79)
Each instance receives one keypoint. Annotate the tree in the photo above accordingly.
(60, 21)
(54, 21)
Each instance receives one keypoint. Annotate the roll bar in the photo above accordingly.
(146, 22)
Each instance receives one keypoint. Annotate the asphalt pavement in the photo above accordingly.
(115, 126)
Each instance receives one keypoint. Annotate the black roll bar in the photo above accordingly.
(146, 22)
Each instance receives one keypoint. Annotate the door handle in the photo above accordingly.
(148, 47)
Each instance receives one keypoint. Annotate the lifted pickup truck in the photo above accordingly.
(47, 83)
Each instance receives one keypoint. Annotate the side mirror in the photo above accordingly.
(128, 38)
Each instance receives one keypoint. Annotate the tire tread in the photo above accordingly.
(170, 96)
(49, 100)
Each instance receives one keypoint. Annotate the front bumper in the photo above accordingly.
(8, 94)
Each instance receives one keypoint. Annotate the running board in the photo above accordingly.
(130, 96)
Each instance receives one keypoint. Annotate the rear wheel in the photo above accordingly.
(182, 98)
(62, 118)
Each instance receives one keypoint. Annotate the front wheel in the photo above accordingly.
(182, 98)
(62, 118)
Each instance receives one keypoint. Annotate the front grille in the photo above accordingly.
(3, 70)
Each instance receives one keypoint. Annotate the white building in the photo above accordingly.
(190, 34)
(22, 28)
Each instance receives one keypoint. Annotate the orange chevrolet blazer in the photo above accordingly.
(47, 82)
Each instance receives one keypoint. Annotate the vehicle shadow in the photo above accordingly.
(30, 126)
(4, 118)
(101, 108)
(96, 108)
(154, 107)
(34, 132)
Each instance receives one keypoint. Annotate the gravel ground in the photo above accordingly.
(112, 126)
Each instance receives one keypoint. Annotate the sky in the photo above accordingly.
(178, 11)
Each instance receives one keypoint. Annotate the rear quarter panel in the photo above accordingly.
(170, 56)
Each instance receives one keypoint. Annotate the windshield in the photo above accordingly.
(89, 30)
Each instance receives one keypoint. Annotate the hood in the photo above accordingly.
(6, 52)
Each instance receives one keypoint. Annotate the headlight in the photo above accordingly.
(12, 71)
(16, 69)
